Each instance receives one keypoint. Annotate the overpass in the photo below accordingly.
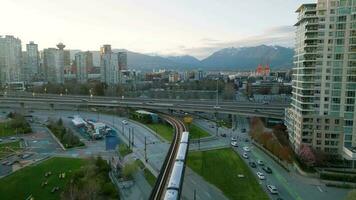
(272, 110)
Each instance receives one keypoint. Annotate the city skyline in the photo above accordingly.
(81, 25)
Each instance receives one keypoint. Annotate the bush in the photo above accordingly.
(338, 177)
(66, 136)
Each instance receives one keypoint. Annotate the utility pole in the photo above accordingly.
(217, 92)
(145, 149)
(195, 194)
(133, 136)
(129, 139)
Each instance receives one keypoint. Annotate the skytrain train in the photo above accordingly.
(174, 188)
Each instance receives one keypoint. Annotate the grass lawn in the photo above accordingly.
(162, 129)
(124, 149)
(221, 167)
(28, 180)
(6, 129)
(6, 148)
(196, 132)
(151, 179)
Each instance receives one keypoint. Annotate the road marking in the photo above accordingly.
(319, 188)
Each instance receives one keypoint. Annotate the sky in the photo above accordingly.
(162, 27)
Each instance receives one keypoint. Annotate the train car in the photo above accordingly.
(182, 152)
(185, 137)
(176, 176)
(171, 194)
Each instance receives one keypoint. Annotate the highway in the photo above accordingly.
(242, 108)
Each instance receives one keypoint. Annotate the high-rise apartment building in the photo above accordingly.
(10, 59)
(83, 62)
(30, 62)
(322, 113)
(109, 66)
(122, 60)
(54, 63)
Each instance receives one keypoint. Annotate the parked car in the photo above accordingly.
(247, 149)
(265, 102)
(124, 122)
(247, 140)
(261, 176)
(234, 144)
(252, 164)
(244, 155)
(0, 140)
(6, 162)
(267, 170)
(272, 189)
(12, 138)
(260, 162)
(243, 130)
(223, 134)
(233, 138)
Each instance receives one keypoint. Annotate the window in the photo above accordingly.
(349, 123)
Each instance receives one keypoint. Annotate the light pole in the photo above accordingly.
(217, 92)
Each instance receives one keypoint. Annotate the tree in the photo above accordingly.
(129, 169)
(307, 155)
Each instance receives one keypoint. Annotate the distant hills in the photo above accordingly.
(244, 58)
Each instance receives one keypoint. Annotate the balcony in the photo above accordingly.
(349, 153)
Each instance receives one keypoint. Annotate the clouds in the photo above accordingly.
(280, 35)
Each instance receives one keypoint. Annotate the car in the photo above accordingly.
(0, 140)
(247, 140)
(223, 134)
(243, 130)
(257, 111)
(267, 170)
(261, 176)
(265, 103)
(216, 107)
(244, 155)
(233, 138)
(252, 164)
(272, 189)
(124, 122)
(234, 144)
(12, 138)
(247, 149)
(5, 162)
(260, 162)
(24, 156)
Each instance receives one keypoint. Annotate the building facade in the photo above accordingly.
(31, 62)
(10, 59)
(109, 66)
(83, 62)
(122, 60)
(54, 63)
(322, 112)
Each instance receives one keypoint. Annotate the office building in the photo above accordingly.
(83, 62)
(10, 59)
(322, 112)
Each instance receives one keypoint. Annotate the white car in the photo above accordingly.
(233, 138)
(13, 138)
(260, 162)
(244, 155)
(0, 140)
(124, 122)
(272, 189)
(261, 176)
(247, 149)
(234, 144)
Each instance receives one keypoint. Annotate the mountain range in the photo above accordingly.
(243, 58)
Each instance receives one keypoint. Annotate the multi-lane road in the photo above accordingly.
(271, 110)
